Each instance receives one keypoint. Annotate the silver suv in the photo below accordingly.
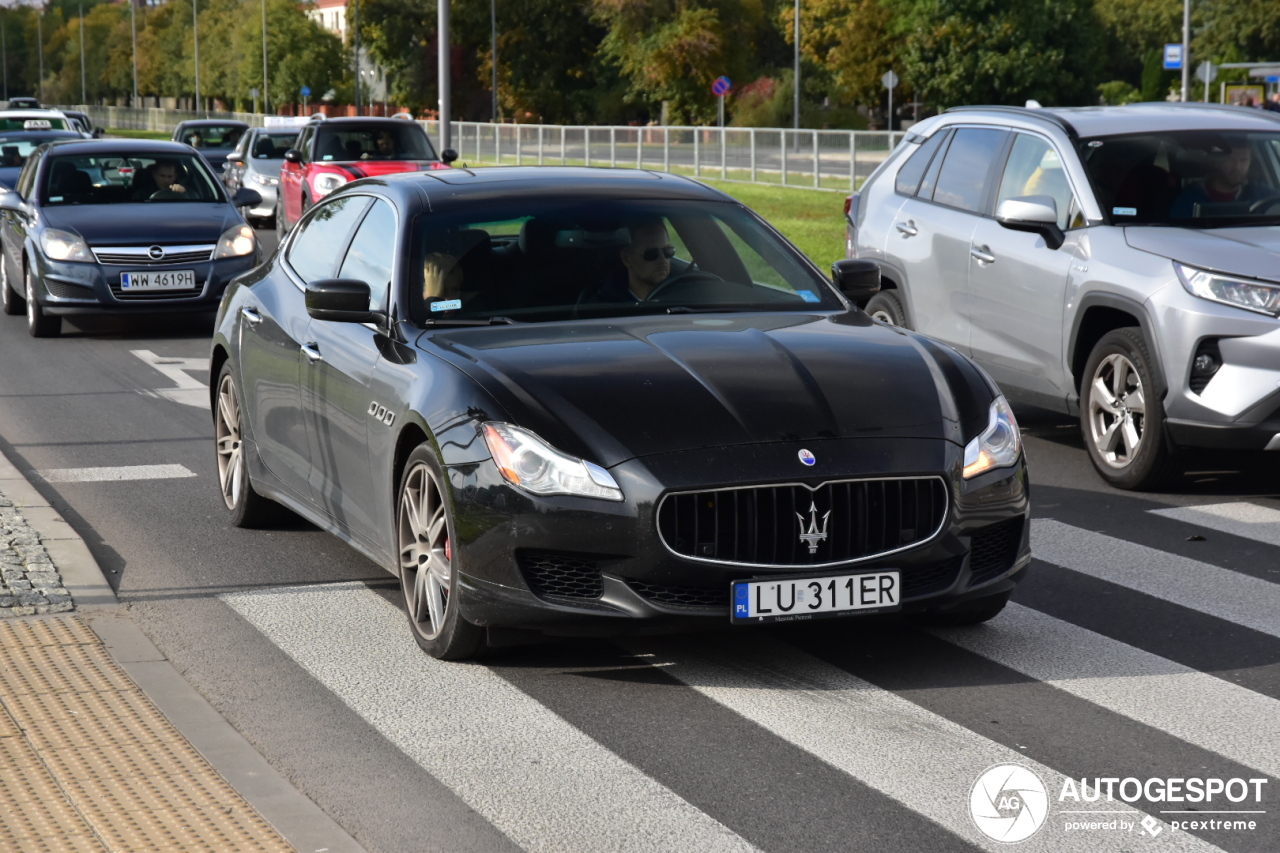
(1119, 263)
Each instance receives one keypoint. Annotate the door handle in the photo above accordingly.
(983, 254)
(908, 228)
(251, 315)
(312, 351)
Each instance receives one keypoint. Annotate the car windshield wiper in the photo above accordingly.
(477, 321)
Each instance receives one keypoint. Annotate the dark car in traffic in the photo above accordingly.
(213, 138)
(16, 146)
(584, 401)
(109, 227)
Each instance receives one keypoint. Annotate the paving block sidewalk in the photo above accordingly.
(29, 581)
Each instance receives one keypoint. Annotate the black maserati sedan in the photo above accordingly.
(594, 402)
(118, 226)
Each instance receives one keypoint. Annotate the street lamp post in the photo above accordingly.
(266, 98)
(1186, 50)
(195, 32)
(493, 38)
(84, 89)
(133, 27)
(4, 56)
(442, 49)
(355, 35)
(40, 38)
(796, 106)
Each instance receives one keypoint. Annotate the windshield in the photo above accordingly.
(397, 140)
(1197, 178)
(271, 146)
(212, 136)
(539, 260)
(121, 179)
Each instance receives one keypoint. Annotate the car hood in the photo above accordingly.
(611, 390)
(173, 223)
(1252, 251)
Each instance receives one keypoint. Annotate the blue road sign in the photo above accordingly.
(306, 91)
(1273, 78)
(721, 86)
(1172, 57)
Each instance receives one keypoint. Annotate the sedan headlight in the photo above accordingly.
(64, 246)
(264, 180)
(236, 242)
(529, 463)
(998, 445)
(1245, 293)
(327, 183)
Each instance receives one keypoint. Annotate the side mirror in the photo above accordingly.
(1036, 214)
(293, 155)
(10, 200)
(342, 300)
(234, 158)
(857, 278)
(98, 132)
(448, 155)
(245, 197)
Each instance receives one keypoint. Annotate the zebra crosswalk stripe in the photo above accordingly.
(1239, 518)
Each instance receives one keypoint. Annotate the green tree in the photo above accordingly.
(849, 42)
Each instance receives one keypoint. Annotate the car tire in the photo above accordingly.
(248, 508)
(282, 228)
(11, 301)
(887, 308)
(428, 563)
(39, 324)
(1121, 413)
(969, 613)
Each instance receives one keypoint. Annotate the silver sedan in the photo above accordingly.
(255, 164)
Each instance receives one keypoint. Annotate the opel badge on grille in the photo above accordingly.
(156, 253)
(813, 535)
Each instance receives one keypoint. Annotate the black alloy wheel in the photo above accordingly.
(886, 307)
(429, 564)
(39, 324)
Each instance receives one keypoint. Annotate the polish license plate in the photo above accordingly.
(137, 282)
(798, 599)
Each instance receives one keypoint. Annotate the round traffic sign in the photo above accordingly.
(306, 91)
(720, 87)
(889, 79)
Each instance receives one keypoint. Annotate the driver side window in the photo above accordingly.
(1035, 168)
(322, 237)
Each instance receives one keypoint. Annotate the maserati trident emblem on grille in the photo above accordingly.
(156, 253)
(813, 535)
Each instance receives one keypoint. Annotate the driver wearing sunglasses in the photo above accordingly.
(647, 260)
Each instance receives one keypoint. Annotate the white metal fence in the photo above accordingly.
(837, 160)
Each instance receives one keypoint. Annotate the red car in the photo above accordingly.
(333, 151)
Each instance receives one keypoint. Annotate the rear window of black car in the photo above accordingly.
(125, 178)
(537, 260)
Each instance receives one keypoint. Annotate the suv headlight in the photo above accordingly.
(529, 463)
(327, 183)
(236, 242)
(1245, 293)
(64, 246)
(998, 445)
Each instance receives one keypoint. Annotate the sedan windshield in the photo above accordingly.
(1197, 178)
(212, 136)
(121, 179)
(535, 261)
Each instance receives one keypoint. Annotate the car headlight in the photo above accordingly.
(264, 180)
(999, 444)
(64, 246)
(327, 183)
(529, 463)
(1248, 294)
(236, 242)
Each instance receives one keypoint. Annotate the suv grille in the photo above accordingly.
(993, 550)
(130, 256)
(792, 525)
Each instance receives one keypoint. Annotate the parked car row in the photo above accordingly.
(1119, 264)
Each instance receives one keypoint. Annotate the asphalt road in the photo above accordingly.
(1145, 644)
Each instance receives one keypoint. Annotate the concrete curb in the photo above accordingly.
(302, 823)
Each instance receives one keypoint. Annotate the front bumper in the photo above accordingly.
(643, 587)
(68, 289)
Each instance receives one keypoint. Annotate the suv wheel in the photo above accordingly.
(887, 308)
(1121, 414)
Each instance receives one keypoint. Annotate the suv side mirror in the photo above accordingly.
(448, 155)
(857, 278)
(293, 155)
(342, 300)
(1036, 214)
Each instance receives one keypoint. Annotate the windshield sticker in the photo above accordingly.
(1124, 211)
(808, 296)
(55, 198)
(448, 305)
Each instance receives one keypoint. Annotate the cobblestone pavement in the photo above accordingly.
(29, 581)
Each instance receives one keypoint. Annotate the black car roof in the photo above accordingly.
(359, 120)
(211, 122)
(142, 147)
(447, 186)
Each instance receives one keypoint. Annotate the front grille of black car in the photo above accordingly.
(993, 549)
(561, 575)
(792, 525)
(133, 256)
(67, 290)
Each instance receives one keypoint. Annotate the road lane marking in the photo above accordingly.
(918, 758)
(120, 473)
(1190, 705)
(1239, 518)
(1190, 583)
(189, 391)
(542, 782)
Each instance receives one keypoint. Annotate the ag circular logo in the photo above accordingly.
(808, 458)
(1009, 803)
